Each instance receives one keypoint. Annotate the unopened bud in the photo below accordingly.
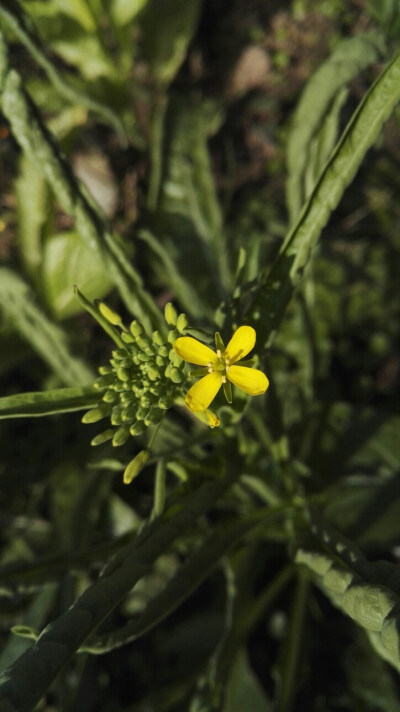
(103, 437)
(170, 314)
(136, 329)
(96, 414)
(137, 428)
(109, 314)
(121, 436)
(135, 466)
(182, 323)
(157, 338)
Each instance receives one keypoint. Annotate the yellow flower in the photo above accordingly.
(222, 368)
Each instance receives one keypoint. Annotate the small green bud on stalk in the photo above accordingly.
(182, 323)
(170, 314)
(136, 466)
(121, 436)
(109, 314)
(172, 336)
(116, 416)
(175, 375)
(105, 381)
(123, 374)
(96, 414)
(103, 437)
(110, 397)
(136, 329)
(137, 428)
(157, 338)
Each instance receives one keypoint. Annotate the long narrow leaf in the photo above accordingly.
(59, 400)
(349, 58)
(19, 22)
(40, 147)
(17, 303)
(274, 288)
(24, 683)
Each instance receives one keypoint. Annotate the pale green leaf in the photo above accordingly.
(244, 691)
(124, 11)
(58, 400)
(275, 287)
(67, 260)
(17, 302)
(168, 27)
(345, 63)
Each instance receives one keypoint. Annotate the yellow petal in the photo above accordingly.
(241, 343)
(250, 380)
(194, 351)
(199, 397)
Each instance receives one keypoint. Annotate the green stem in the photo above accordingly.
(293, 644)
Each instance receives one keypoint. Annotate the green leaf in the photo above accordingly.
(59, 400)
(23, 684)
(168, 27)
(33, 209)
(124, 11)
(22, 26)
(67, 260)
(274, 289)
(322, 92)
(41, 149)
(244, 691)
(17, 302)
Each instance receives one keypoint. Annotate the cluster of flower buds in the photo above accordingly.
(143, 379)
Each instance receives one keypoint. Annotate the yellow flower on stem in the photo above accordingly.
(220, 368)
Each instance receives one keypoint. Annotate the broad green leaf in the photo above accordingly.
(22, 26)
(188, 578)
(59, 400)
(80, 11)
(41, 149)
(67, 260)
(244, 691)
(23, 684)
(350, 57)
(269, 298)
(370, 682)
(17, 302)
(168, 27)
(367, 592)
(124, 11)
(34, 207)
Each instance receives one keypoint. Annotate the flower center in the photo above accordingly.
(222, 366)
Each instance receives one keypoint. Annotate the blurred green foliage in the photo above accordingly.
(241, 160)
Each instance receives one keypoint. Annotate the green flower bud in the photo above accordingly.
(110, 397)
(122, 374)
(182, 323)
(105, 381)
(119, 354)
(127, 338)
(143, 342)
(160, 361)
(129, 413)
(172, 336)
(109, 314)
(137, 428)
(96, 414)
(153, 417)
(165, 402)
(136, 329)
(157, 338)
(104, 370)
(102, 437)
(135, 466)
(121, 436)
(163, 351)
(175, 375)
(153, 373)
(170, 314)
(116, 415)
(145, 400)
(142, 412)
(174, 358)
